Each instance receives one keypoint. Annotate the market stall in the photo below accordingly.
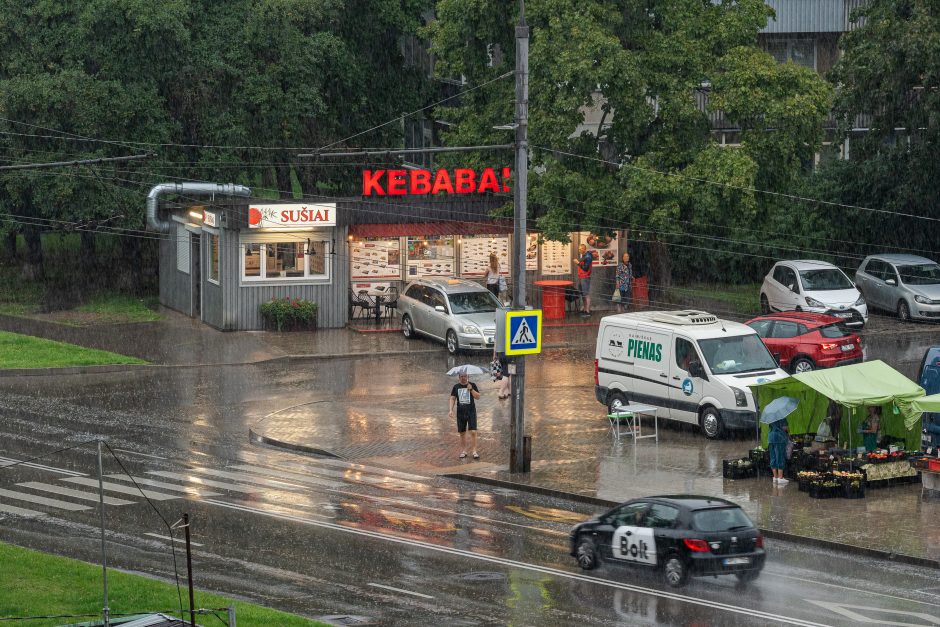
(845, 461)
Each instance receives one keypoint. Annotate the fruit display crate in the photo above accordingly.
(738, 468)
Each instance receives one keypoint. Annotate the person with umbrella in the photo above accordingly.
(775, 415)
(463, 407)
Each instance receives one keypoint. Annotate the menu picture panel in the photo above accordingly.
(604, 248)
(375, 259)
(556, 258)
(532, 251)
(475, 254)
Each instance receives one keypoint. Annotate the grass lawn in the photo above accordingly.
(38, 584)
(743, 298)
(121, 308)
(26, 351)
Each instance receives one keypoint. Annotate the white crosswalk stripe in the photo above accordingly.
(292, 476)
(42, 500)
(9, 461)
(19, 511)
(175, 487)
(222, 485)
(77, 494)
(245, 478)
(123, 489)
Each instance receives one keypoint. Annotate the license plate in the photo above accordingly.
(847, 347)
(843, 315)
(737, 561)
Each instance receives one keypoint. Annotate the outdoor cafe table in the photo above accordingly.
(632, 414)
(553, 298)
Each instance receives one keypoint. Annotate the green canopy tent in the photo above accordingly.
(927, 403)
(854, 387)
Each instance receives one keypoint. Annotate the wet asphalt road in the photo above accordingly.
(325, 537)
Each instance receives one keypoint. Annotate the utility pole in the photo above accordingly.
(105, 610)
(518, 461)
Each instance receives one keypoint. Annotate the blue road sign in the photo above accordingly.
(524, 332)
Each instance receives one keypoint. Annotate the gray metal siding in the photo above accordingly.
(175, 286)
(241, 303)
(807, 16)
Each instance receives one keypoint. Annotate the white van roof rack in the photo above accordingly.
(685, 317)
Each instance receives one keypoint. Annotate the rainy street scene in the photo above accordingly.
(436, 312)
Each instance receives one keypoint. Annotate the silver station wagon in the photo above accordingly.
(905, 284)
(460, 313)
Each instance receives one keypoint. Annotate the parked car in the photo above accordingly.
(929, 379)
(905, 284)
(679, 535)
(462, 314)
(801, 341)
(816, 286)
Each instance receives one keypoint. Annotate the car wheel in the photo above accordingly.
(802, 364)
(747, 576)
(764, 304)
(675, 572)
(615, 402)
(452, 345)
(407, 327)
(712, 424)
(904, 311)
(586, 554)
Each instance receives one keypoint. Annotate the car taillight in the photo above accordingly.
(827, 346)
(596, 381)
(759, 542)
(858, 340)
(699, 546)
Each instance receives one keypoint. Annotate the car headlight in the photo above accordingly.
(812, 302)
(469, 328)
(860, 301)
(739, 398)
(923, 300)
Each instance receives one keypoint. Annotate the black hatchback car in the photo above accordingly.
(681, 535)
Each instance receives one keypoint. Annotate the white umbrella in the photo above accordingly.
(466, 369)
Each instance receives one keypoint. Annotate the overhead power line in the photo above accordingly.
(59, 164)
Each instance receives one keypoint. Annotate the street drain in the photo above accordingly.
(482, 575)
(346, 619)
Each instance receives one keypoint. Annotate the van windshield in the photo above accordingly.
(736, 354)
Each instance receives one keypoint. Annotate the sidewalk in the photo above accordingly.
(179, 340)
(573, 452)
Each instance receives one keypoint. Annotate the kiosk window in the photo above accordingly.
(290, 260)
(252, 258)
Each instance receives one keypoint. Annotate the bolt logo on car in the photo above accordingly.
(634, 549)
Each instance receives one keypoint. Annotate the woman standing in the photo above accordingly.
(777, 443)
(492, 275)
(871, 427)
(625, 283)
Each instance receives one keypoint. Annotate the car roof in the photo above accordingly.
(900, 258)
(689, 501)
(451, 286)
(808, 264)
(661, 320)
(806, 317)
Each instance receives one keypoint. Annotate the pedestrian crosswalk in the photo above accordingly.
(42, 500)
(75, 494)
(122, 489)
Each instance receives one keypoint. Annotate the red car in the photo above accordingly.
(802, 341)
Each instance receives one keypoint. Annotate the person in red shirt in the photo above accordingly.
(585, 263)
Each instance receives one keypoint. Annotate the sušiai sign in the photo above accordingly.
(423, 182)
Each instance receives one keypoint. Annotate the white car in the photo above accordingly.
(817, 286)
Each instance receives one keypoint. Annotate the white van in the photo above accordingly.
(693, 366)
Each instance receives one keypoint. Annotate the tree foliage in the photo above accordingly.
(656, 71)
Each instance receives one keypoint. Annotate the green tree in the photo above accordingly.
(648, 67)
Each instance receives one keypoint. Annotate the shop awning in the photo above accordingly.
(430, 228)
(854, 387)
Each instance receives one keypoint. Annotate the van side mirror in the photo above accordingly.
(696, 370)
(891, 282)
(440, 309)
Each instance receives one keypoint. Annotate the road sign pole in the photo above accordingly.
(517, 462)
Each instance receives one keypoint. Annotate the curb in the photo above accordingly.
(107, 368)
(852, 549)
(257, 438)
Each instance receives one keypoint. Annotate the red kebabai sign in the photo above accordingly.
(419, 182)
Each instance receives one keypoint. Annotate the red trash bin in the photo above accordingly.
(641, 292)
(553, 298)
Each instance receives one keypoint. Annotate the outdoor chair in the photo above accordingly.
(362, 301)
(572, 299)
(391, 300)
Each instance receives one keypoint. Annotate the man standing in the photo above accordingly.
(585, 263)
(462, 398)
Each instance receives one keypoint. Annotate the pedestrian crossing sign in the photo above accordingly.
(523, 332)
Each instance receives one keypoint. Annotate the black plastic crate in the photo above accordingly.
(853, 493)
(819, 491)
(730, 469)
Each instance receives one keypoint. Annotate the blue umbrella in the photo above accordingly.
(778, 409)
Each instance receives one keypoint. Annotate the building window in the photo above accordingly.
(213, 257)
(799, 51)
(182, 249)
(287, 260)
